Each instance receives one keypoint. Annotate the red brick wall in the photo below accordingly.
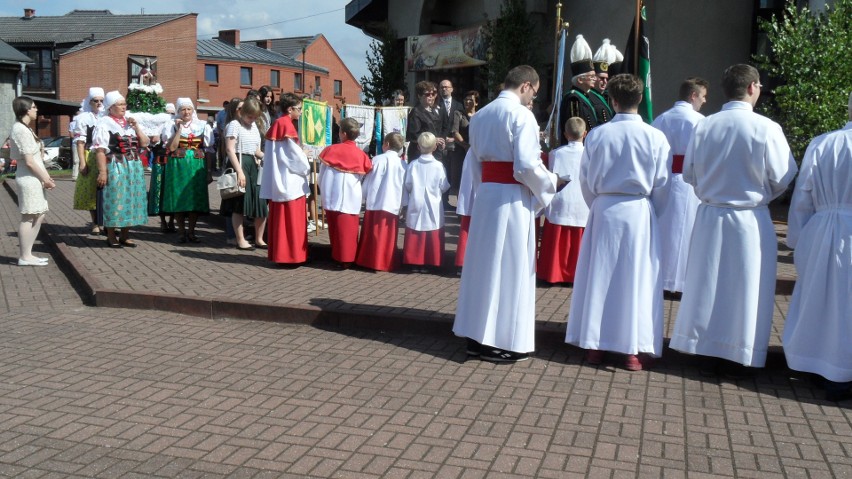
(105, 65)
(321, 53)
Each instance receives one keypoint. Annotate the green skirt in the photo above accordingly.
(185, 186)
(249, 204)
(155, 189)
(86, 187)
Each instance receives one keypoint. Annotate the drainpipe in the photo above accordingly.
(19, 85)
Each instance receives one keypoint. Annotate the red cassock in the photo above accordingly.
(343, 235)
(423, 248)
(560, 249)
(462, 246)
(286, 230)
(377, 248)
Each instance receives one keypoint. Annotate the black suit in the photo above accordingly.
(455, 156)
(420, 121)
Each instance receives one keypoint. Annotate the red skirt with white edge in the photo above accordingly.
(286, 231)
(463, 231)
(423, 248)
(343, 235)
(377, 247)
(560, 249)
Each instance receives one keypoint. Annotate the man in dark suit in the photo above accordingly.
(453, 157)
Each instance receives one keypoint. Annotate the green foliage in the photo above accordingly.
(386, 63)
(811, 57)
(514, 40)
(141, 101)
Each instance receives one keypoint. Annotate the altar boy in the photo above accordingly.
(425, 183)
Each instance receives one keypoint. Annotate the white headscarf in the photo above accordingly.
(182, 102)
(94, 91)
(111, 98)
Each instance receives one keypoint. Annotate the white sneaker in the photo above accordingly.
(32, 262)
(311, 226)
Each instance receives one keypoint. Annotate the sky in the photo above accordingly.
(255, 19)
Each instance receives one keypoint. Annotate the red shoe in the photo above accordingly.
(594, 357)
(632, 363)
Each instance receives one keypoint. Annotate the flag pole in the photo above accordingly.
(554, 131)
(636, 37)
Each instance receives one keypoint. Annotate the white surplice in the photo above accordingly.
(679, 215)
(285, 171)
(425, 182)
(818, 331)
(568, 207)
(496, 305)
(617, 304)
(382, 186)
(468, 185)
(341, 192)
(737, 161)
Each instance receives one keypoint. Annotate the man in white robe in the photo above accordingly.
(738, 161)
(818, 331)
(496, 306)
(679, 215)
(617, 304)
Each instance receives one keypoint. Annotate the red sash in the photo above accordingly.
(498, 172)
(677, 163)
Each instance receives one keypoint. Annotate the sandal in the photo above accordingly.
(128, 243)
(193, 239)
(96, 230)
(113, 245)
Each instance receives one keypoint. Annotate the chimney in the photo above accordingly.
(265, 44)
(29, 12)
(231, 37)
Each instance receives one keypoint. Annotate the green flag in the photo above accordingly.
(313, 124)
(642, 69)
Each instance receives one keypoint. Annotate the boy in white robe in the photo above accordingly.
(383, 197)
(617, 304)
(818, 332)
(425, 183)
(676, 221)
(565, 218)
(737, 161)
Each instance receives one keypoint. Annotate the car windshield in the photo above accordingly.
(54, 142)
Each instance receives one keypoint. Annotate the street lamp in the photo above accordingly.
(304, 44)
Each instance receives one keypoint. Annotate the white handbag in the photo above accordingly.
(228, 185)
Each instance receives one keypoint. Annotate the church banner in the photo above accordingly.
(458, 49)
(313, 125)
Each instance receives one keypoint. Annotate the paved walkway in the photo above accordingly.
(104, 392)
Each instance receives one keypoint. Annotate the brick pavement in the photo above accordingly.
(212, 279)
(102, 392)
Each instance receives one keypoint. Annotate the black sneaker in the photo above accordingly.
(473, 348)
(495, 355)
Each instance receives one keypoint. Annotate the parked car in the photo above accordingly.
(57, 153)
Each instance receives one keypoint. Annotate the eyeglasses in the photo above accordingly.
(535, 91)
(444, 87)
(431, 93)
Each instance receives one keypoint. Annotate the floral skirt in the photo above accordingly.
(86, 187)
(125, 199)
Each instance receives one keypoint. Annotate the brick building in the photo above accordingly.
(86, 48)
(227, 68)
(343, 87)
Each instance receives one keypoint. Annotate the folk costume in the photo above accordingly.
(425, 182)
(185, 187)
(818, 331)
(564, 219)
(343, 168)
(617, 304)
(496, 305)
(86, 187)
(737, 161)
(679, 216)
(125, 199)
(608, 60)
(285, 185)
(159, 158)
(382, 190)
(576, 102)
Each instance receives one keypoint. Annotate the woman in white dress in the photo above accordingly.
(31, 178)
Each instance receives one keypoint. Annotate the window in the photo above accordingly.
(141, 69)
(245, 76)
(317, 84)
(338, 88)
(211, 73)
(39, 75)
(297, 82)
(275, 79)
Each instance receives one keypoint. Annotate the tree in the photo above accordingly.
(386, 63)
(811, 58)
(514, 40)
